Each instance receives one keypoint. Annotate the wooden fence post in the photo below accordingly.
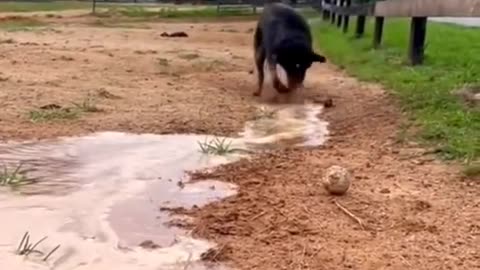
(378, 32)
(340, 16)
(360, 29)
(346, 18)
(332, 14)
(418, 31)
(326, 13)
(94, 5)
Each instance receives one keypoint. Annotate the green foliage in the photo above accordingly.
(452, 60)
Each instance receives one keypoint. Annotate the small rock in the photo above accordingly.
(328, 103)
(385, 191)
(180, 184)
(149, 244)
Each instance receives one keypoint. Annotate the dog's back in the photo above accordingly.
(280, 22)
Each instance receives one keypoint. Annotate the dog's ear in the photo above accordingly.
(318, 58)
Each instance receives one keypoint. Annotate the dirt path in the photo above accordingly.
(418, 213)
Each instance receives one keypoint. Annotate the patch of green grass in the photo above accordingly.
(41, 115)
(21, 6)
(452, 60)
(472, 169)
(14, 178)
(217, 146)
(56, 112)
(21, 24)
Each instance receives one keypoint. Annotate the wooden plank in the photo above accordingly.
(418, 31)
(357, 9)
(427, 8)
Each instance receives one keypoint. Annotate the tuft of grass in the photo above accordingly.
(425, 90)
(472, 169)
(53, 114)
(87, 105)
(217, 146)
(15, 24)
(210, 65)
(25, 247)
(56, 112)
(14, 178)
(163, 62)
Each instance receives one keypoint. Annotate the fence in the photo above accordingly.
(226, 4)
(220, 4)
(339, 11)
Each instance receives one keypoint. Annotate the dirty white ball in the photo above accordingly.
(336, 180)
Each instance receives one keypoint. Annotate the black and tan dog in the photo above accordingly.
(283, 37)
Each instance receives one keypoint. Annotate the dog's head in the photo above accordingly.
(295, 58)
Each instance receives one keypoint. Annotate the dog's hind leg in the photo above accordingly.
(259, 60)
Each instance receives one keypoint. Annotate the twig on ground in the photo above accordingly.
(350, 214)
(189, 261)
(258, 216)
(51, 252)
(304, 252)
(405, 261)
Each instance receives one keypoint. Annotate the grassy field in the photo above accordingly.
(186, 13)
(452, 60)
(136, 11)
(173, 12)
(13, 6)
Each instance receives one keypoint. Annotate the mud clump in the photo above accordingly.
(149, 244)
(217, 254)
(174, 34)
(326, 102)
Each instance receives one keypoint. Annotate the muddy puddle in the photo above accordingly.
(292, 125)
(102, 197)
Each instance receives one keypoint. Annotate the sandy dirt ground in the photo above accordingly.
(416, 212)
